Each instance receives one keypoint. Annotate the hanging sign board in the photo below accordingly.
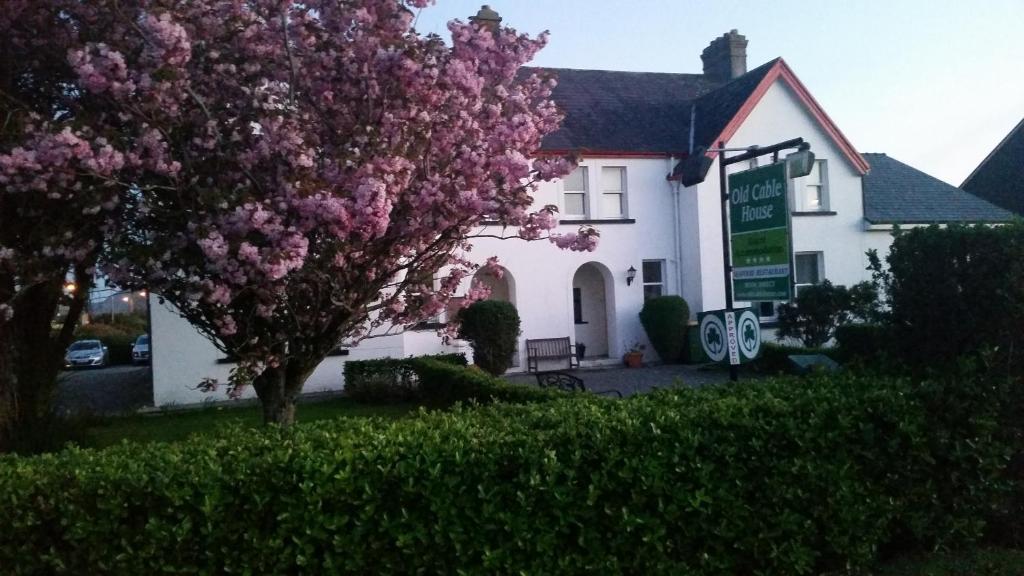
(759, 234)
(733, 336)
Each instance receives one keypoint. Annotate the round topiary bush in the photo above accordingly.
(664, 318)
(492, 328)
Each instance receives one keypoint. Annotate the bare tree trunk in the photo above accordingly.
(278, 388)
(37, 356)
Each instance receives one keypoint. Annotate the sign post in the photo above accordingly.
(759, 230)
(762, 211)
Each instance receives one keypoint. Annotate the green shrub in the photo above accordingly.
(118, 339)
(771, 477)
(774, 358)
(386, 380)
(821, 308)
(866, 344)
(665, 320)
(445, 384)
(492, 329)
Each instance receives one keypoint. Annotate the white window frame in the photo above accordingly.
(585, 193)
(822, 189)
(820, 265)
(662, 283)
(775, 310)
(623, 193)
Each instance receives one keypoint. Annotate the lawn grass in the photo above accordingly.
(981, 562)
(175, 425)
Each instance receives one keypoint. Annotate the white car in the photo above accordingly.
(140, 350)
(86, 353)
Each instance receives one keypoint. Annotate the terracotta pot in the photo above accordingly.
(634, 359)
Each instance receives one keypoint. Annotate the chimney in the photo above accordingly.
(726, 57)
(486, 17)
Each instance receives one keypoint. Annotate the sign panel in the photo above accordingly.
(759, 233)
(735, 335)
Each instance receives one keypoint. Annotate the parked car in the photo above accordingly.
(140, 350)
(86, 353)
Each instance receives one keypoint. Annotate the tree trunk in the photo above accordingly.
(277, 389)
(37, 355)
(8, 387)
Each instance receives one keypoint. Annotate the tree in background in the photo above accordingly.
(821, 308)
(299, 173)
(64, 152)
(492, 329)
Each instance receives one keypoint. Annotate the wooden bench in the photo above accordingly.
(567, 382)
(550, 349)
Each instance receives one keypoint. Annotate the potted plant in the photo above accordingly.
(634, 357)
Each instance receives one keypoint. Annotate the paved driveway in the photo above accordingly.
(630, 381)
(104, 391)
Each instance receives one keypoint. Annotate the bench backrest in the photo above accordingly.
(549, 347)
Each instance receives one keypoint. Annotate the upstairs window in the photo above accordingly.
(816, 188)
(574, 198)
(613, 192)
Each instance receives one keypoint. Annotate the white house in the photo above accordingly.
(633, 130)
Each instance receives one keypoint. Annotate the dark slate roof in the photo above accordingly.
(895, 193)
(1000, 177)
(643, 111)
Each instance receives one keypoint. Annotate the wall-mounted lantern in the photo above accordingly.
(630, 275)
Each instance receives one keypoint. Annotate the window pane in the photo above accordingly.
(652, 271)
(807, 268)
(611, 205)
(652, 291)
(814, 197)
(815, 176)
(766, 309)
(613, 179)
(577, 180)
(577, 306)
(574, 204)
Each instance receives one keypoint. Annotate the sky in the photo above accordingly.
(933, 83)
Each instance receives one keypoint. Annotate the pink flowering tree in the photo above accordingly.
(62, 151)
(302, 174)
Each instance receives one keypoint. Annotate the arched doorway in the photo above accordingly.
(591, 299)
(502, 289)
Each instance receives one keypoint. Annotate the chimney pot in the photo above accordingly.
(486, 17)
(726, 57)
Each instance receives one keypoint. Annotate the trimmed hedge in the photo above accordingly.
(868, 344)
(774, 477)
(665, 320)
(774, 358)
(492, 329)
(388, 379)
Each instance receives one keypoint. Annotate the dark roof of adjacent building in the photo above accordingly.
(644, 112)
(895, 193)
(1000, 177)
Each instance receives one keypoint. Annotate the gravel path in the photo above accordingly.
(105, 391)
(630, 381)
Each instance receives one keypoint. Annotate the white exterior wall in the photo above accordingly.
(840, 237)
(543, 274)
